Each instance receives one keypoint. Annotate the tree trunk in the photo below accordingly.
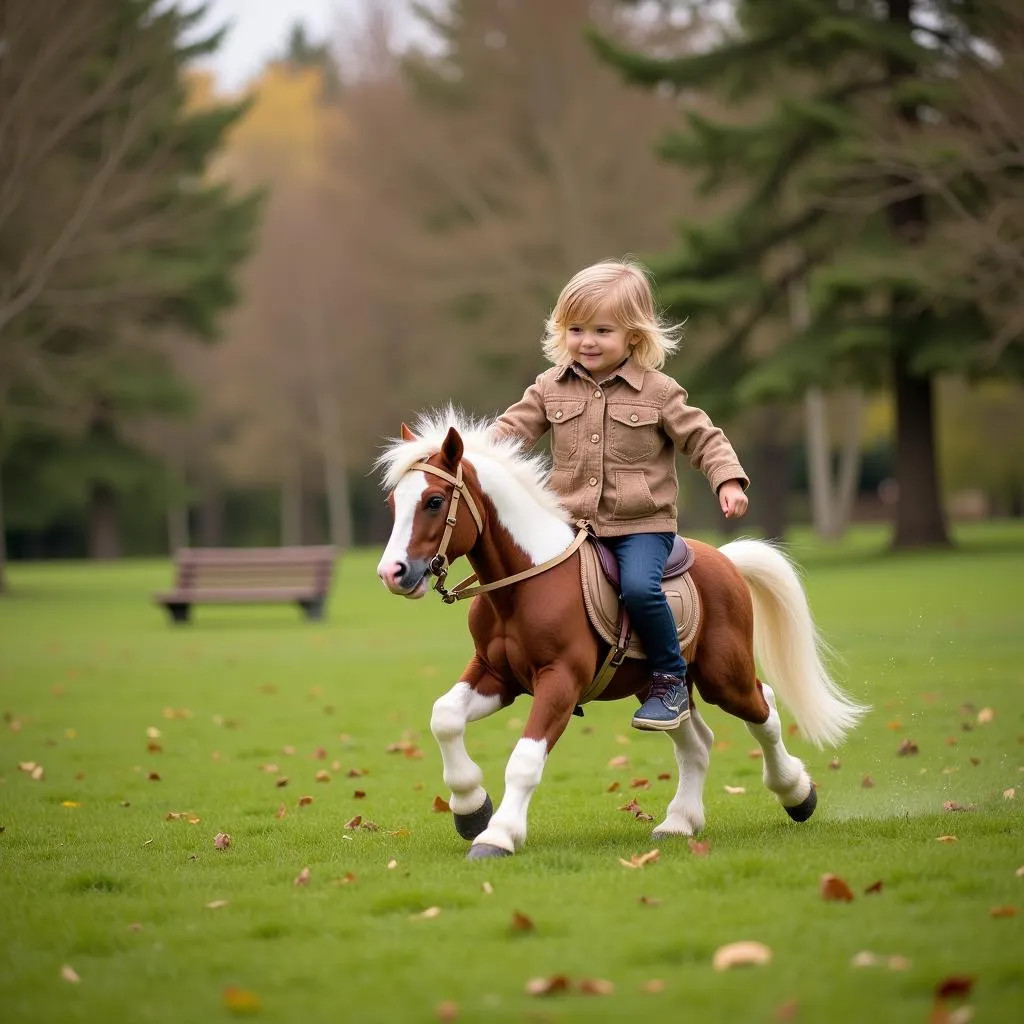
(177, 526)
(920, 521)
(291, 507)
(771, 460)
(819, 463)
(3, 537)
(104, 529)
(211, 516)
(850, 458)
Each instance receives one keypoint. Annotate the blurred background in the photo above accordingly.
(241, 242)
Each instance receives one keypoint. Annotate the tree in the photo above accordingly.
(827, 76)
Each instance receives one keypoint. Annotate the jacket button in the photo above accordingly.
(593, 481)
(597, 394)
(558, 415)
(633, 418)
(595, 438)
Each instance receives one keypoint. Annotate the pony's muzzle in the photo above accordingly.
(404, 578)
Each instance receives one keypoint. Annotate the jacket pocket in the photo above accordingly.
(634, 434)
(564, 417)
(633, 498)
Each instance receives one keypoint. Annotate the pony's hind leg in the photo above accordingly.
(784, 774)
(692, 741)
(470, 804)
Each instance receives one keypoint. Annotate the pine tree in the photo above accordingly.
(814, 84)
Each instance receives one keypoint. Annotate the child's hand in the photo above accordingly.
(732, 499)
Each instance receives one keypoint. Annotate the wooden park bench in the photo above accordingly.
(250, 575)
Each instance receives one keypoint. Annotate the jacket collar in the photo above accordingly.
(629, 371)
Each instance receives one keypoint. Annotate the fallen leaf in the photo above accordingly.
(240, 1000)
(346, 879)
(894, 726)
(429, 914)
(288, 751)
(898, 963)
(370, 826)
(735, 790)
(654, 986)
(447, 1010)
(281, 782)
(985, 715)
(216, 904)
(756, 754)
(874, 887)
(305, 801)
(282, 812)
(596, 987)
(640, 784)
(698, 848)
(487, 888)
(70, 803)
(722, 745)
(664, 777)
(835, 888)
(355, 773)
(322, 776)
(69, 974)
(787, 1010)
(547, 986)
(153, 776)
(906, 748)
(154, 748)
(222, 840)
(632, 807)
(37, 774)
(952, 805)
(354, 822)
(153, 733)
(640, 860)
(359, 794)
(741, 954)
(835, 764)
(865, 959)
(650, 901)
(1003, 912)
(302, 878)
(956, 986)
(392, 864)
(135, 926)
(867, 782)
(623, 741)
(614, 787)
(1020, 871)
(793, 730)
(320, 754)
(619, 762)
(946, 839)
(440, 805)
(270, 769)
(975, 761)
(521, 923)
(1009, 794)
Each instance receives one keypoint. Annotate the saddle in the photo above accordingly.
(599, 575)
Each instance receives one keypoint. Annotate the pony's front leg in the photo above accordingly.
(465, 702)
(554, 699)
(692, 740)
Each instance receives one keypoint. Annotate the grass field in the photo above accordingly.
(95, 878)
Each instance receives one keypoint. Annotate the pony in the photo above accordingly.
(455, 490)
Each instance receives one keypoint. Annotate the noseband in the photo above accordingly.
(438, 565)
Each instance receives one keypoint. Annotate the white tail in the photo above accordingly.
(787, 644)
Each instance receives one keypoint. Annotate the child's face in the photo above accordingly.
(598, 345)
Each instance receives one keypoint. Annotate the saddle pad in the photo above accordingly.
(602, 601)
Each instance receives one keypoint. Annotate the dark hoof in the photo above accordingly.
(484, 851)
(469, 826)
(804, 810)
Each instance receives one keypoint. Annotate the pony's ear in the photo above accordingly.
(407, 434)
(452, 448)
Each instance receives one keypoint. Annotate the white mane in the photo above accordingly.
(508, 455)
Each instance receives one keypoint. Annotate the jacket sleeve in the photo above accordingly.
(526, 419)
(704, 444)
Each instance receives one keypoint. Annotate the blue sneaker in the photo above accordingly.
(667, 705)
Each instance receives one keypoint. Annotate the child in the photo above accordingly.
(616, 423)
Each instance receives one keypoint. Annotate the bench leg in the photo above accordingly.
(179, 611)
(314, 609)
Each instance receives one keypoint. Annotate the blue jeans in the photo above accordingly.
(641, 558)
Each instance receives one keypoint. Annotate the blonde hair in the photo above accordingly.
(623, 284)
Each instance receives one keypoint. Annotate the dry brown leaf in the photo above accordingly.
(440, 805)
(897, 963)
(521, 923)
(975, 761)
(613, 788)
(302, 878)
(392, 864)
(835, 764)
(547, 986)
(240, 1000)
(282, 782)
(640, 784)
(735, 790)
(698, 848)
(945, 839)
(865, 959)
(664, 777)
(153, 776)
(787, 1010)
(216, 904)
(640, 860)
(952, 805)
(359, 794)
(1009, 794)
(650, 901)
(69, 974)
(835, 888)
(956, 986)
(985, 715)
(741, 954)
(154, 748)
(951, 741)
(322, 776)
(305, 801)
(356, 773)
(429, 914)
(643, 816)
(355, 822)
(1003, 912)
(447, 1011)
(722, 745)
(282, 812)
(288, 750)
(346, 879)
(320, 754)
(632, 807)
(222, 840)
(38, 773)
(153, 733)
(654, 986)
(867, 782)
(135, 926)
(874, 887)
(619, 762)
(487, 888)
(906, 748)
(756, 754)
(596, 987)
(70, 803)
(1020, 871)
(894, 726)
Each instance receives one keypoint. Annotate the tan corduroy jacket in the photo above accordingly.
(613, 444)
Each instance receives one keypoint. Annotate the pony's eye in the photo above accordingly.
(435, 503)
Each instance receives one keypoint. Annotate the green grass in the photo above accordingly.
(87, 664)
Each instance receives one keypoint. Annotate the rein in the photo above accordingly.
(438, 566)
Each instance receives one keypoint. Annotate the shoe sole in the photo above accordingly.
(649, 725)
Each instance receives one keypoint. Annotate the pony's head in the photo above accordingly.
(436, 519)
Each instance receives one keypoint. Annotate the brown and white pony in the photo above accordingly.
(456, 491)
